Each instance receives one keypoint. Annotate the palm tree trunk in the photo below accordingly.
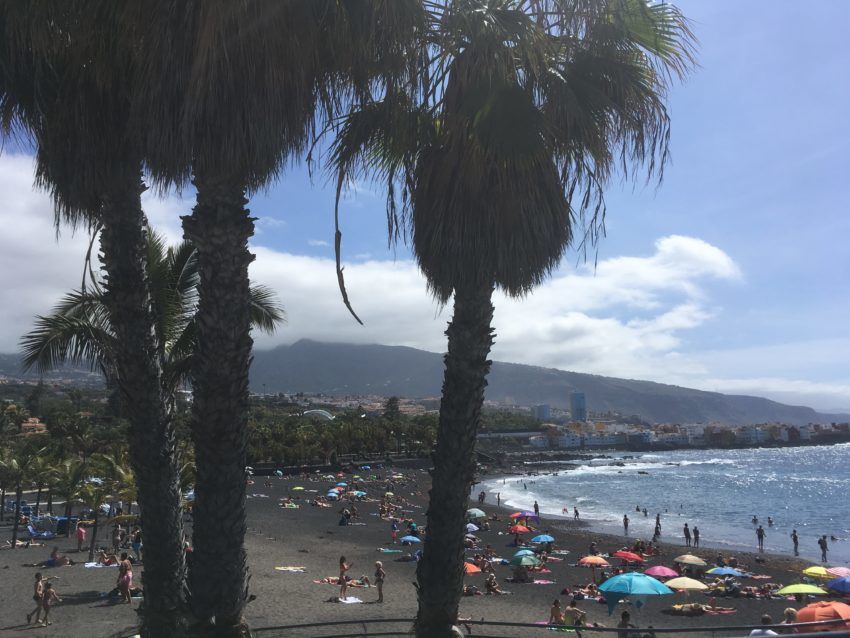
(220, 226)
(2, 504)
(68, 517)
(16, 523)
(38, 499)
(49, 505)
(94, 533)
(152, 441)
(440, 572)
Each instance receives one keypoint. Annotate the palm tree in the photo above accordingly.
(18, 467)
(68, 479)
(79, 329)
(522, 111)
(232, 91)
(65, 84)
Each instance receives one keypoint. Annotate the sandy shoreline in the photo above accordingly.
(310, 537)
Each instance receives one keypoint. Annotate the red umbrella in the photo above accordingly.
(628, 556)
(469, 568)
(517, 515)
(519, 529)
(824, 610)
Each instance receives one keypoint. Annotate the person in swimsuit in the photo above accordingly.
(343, 585)
(380, 574)
(125, 578)
(556, 614)
(48, 597)
(37, 592)
(574, 616)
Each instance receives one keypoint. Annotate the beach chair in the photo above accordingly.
(39, 534)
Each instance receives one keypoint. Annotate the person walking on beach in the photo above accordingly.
(575, 513)
(343, 583)
(394, 532)
(81, 536)
(380, 574)
(37, 594)
(48, 598)
(626, 524)
(823, 548)
(696, 536)
(760, 536)
(796, 540)
(687, 531)
(498, 499)
(536, 509)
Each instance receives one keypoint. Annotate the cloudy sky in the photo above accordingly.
(733, 276)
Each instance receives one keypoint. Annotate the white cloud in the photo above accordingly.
(630, 317)
(317, 242)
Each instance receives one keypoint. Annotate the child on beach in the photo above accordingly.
(48, 598)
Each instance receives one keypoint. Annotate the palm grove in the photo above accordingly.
(494, 125)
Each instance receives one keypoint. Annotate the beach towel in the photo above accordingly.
(564, 630)
(384, 550)
(759, 577)
(98, 565)
(349, 600)
(291, 569)
(543, 582)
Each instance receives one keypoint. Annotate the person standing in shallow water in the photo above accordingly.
(687, 532)
(760, 536)
(796, 540)
(626, 524)
(696, 536)
(823, 548)
(536, 509)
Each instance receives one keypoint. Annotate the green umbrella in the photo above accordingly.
(525, 560)
(802, 588)
(475, 513)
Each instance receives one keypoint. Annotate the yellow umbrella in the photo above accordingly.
(123, 518)
(297, 488)
(801, 588)
(690, 559)
(685, 583)
(816, 571)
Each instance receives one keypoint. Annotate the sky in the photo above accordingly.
(731, 276)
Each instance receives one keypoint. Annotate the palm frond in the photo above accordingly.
(266, 312)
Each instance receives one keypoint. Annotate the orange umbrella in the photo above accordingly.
(824, 610)
(469, 568)
(594, 561)
(519, 529)
(628, 556)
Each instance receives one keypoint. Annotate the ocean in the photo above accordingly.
(802, 488)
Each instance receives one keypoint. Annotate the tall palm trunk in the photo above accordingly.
(16, 523)
(440, 572)
(219, 227)
(38, 499)
(2, 504)
(49, 506)
(68, 507)
(94, 529)
(152, 442)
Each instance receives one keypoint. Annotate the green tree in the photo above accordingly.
(232, 93)
(68, 478)
(18, 467)
(521, 113)
(66, 83)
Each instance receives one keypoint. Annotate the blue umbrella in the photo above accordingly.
(410, 539)
(278, 473)
(631, 584)
(725, 571)
(840, 585)
(543, 538)
(343, 484)
(524, 552)
(359, 493)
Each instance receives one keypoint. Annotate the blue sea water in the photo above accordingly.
(802, 488)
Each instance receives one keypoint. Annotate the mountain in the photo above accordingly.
(340, 369)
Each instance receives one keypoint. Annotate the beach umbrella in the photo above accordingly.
(816, 571)
(278, 473)
(411, 539)
(839, 572)
(628, 556)
(470, 568)
(633, 584)
(122, 518)
(359, 493)
(342, 484)
(802, 588)
(725, 571)
(543, 538)
(660, 571)
(475, 513)
(594, 561)
(297, 488)
(518, 529)
(840, 585)
(685, 584)
(470, 527)
(690, 559)
(824, 610)
(517, 515)
(388, 494)
(527, 560)
(524, 552)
